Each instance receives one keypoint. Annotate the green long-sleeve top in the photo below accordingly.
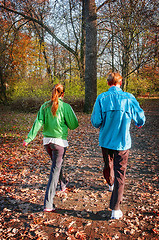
(54, 126)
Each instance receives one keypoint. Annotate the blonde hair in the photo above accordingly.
(114, 78)
(57, 91)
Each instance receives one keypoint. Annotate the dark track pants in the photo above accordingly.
(116, 161)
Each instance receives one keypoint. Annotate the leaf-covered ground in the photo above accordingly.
(83, 212)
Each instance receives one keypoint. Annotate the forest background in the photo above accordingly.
(76, 43)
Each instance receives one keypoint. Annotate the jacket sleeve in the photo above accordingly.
(96, 117)
(70, 117)
(137, 113)
(36, 126)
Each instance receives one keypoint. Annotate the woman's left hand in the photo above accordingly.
(25, 143)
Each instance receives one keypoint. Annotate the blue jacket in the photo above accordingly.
(112, 113)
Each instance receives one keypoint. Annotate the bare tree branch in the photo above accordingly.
(43, 26)
(105, 2)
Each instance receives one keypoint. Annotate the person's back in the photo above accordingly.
(57, 126)
(112, 113)
(56, 117)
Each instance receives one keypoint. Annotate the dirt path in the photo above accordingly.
(83, 212)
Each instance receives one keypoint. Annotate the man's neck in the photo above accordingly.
(118, 85)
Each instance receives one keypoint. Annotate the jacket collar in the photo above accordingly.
(114, 88)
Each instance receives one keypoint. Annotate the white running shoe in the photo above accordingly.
(111, 188)
(116, 214)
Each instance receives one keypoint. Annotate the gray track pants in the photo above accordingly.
(57, 155)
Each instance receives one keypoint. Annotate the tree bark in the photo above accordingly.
(91, 55)
(83, 43)
(3, 96)
(125, 69)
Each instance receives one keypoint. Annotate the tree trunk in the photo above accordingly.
(125, 70)
(91, 55)
(40, 35)
(3, 96)
(83, 43)
(113, 68)
(48, 66)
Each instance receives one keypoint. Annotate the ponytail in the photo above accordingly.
(57, 91)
